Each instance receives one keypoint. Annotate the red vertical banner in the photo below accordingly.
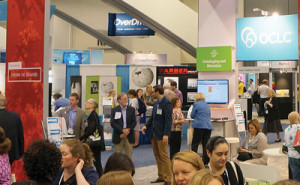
(25, 61)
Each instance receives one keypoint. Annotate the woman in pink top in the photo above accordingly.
(177, 121)
(5, 172)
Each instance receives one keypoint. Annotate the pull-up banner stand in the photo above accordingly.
(26, 79)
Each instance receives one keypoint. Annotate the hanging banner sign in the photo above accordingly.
(122, 24)
(267, 38)
(146, 59)
(216, 58)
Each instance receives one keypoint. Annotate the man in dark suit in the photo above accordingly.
(12, 125)
(123, 122)
(74, 116)
(160, 123)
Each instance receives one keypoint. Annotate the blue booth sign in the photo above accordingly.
(122, 24)
(3, 10)
(267, 38)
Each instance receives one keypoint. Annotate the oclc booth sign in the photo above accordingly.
(267, 38)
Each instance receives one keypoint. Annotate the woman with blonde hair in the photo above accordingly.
(206, 177)
(5, 144)
(201, 124)
(112, 94)
(116, 178)
(148, 97)
(77, 167)
(272, 119)
(184, 165)
(289, 137)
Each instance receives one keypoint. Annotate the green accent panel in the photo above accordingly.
(118, 85)
(216, 58)
(92, 92)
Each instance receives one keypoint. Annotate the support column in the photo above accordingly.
(27, 64)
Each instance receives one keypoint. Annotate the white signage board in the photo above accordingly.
(239, 118)
(146, 59)
(283, 64)
(254, 70)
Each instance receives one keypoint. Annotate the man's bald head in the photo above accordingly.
(2, 101)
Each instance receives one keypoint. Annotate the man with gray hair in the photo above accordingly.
(12, 125)
(123, 121)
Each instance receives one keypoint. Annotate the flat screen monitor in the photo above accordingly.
(215, 91)
(72, 58)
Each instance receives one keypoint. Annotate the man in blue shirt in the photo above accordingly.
(74, 116)
(60, 101)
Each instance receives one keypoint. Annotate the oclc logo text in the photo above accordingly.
(249, 37)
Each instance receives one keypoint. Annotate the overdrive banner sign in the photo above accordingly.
(122, 24)
(267, 38)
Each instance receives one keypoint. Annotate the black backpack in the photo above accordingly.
(142, 106)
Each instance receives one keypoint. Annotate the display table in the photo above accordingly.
(278, 160)
(274, 152)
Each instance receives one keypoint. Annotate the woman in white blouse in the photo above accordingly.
(254, 144)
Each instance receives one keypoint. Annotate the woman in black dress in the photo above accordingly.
(93, 124)
(272, 121)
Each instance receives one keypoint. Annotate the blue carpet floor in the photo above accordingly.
(143, 155)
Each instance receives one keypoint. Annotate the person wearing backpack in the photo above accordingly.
(134, 102)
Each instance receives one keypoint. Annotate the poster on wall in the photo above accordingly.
(169, 79)
(141, 76)
(242, 77)
(76, 87)
(191, 97)
(192, 83)
(92, 89)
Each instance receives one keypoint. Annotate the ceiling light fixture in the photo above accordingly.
(263, 12)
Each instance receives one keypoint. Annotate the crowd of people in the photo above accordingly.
(78, 160)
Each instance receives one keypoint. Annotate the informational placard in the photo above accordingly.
(239, 118)
(54, 130)
(122, 24)
(267, 38)
(216, 58)
(146, 59)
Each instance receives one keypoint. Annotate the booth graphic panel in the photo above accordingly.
(141, 76)
(76, 87)
(95, 70)
(106, 84)
(92, 89)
